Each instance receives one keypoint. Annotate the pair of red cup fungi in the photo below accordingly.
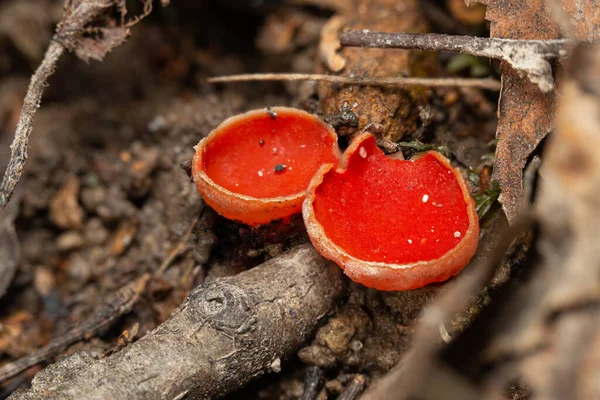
(389, 224)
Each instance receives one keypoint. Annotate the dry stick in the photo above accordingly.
(313, 381)
(485, 83)
(408, 376)
(177, 251)
(527, 56)
(118, 304)
(354, 388)
(31, 103)
(68, 32)
(226, 333)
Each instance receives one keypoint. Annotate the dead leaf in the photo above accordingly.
(525, 113)
(65, 211)
(124, 237)
(277, 34)
(466, 13)
(97, 47)
(329, 44)
(554, 317)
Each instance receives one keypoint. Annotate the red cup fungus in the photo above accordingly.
(392, 224)
(255, 167)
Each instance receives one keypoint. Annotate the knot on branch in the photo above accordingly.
(225, 307)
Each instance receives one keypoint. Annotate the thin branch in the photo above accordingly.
(31, 103)
(527, 56)
(486, 83)
(118, 304)
(227, 332)
(179, 250)
(354, 388)
(313, 381)
(69, 33)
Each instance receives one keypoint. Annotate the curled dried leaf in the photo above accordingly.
(329, 45)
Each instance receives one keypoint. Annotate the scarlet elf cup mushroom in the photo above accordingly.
(392, 224)
(255, 167)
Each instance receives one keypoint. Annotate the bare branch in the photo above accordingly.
(31, 103)
(486, 83)
(226, 332)
(118, 304)
(68, 36)
(529, 57)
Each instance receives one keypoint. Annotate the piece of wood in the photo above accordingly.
(225, 333)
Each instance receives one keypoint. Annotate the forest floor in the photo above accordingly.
(104, 199)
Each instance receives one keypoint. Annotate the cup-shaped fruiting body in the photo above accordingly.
(256, 167)
(392, 224)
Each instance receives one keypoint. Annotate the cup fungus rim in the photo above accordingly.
(251, 202)
(350, 263)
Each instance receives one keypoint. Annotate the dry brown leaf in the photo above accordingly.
(65, 211)
(104, 42)
(554, 318)
(395, 109)
(330, 44)
(277, 34)
(525, 113)
(466, 13)
(123, 237)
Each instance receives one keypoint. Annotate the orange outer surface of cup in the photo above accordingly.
(247, 209)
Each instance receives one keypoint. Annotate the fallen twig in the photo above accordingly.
(313, 380)
(10, 247)
(69, 36)
(354, 388)
(485, 83)
(226, 332)
(32, 100)
(181, 248)
(529, 57)
(118, 304)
